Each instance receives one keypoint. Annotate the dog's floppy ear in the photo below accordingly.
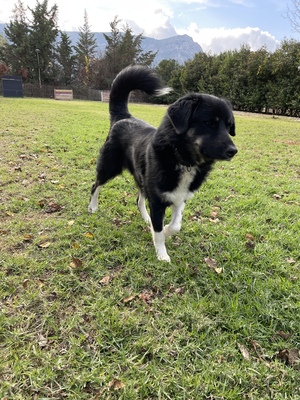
(180, 113)
(232, 129)
(232, 126)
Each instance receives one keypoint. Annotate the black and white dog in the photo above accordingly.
(168, 163)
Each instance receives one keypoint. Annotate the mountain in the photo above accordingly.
(180, 48)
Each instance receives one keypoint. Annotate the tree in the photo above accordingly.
(293, 14)
(195, 73)
(43, 34)
(66, 59)
(112, 54)
(85, 50)
(165, 70)
(16, 49)
(169, 72)
(131, 51)
(123, 49)
(285, 65)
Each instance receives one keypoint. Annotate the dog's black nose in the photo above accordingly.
(231, 151)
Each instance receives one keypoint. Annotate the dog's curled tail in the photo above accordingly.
(132, 78)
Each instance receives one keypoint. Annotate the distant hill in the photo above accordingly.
(180, 48)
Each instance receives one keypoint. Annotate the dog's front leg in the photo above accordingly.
(176, 219)
(157, 212)
(93, 206)
(159, 244)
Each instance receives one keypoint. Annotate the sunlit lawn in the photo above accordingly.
(87, 312)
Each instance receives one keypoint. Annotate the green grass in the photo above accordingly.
(87, 312)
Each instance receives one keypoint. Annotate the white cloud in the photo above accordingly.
(156, 18)
(160, 29)
(221, 39)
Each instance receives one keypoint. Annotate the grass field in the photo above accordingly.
(87, 312)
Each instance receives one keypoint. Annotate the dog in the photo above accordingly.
(168, 163)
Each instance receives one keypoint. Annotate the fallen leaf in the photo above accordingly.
(25, 283)
(218, 270)
(180, 290)
(70, 223)
(42, 341)
(53, 207)
(291, 261)
(76, 263)
(215, 221)
(211, 263)
(44, 245)
(283, 335)
(244, 352)
(146, 296)
(250, 244)
(42, 203)
(42, 176)
(117, 222)
(248, 236)
(89, 235)
(116, 384)
(214, 214)
(129, 299)
(75, 246)
(28, 238)
(40, 283)
(197, 216)
(106, 280)
(289, 357)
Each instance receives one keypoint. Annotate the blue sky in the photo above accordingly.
(217, 25)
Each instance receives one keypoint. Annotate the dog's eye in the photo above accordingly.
(212, 123)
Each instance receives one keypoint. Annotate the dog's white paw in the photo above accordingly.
(164, 257)
(92, 208)
(147, 219)
(168, 231)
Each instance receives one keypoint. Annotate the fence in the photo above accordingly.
(47, 91)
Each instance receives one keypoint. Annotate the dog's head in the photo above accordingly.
(205, 122)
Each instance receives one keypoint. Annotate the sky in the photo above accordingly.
(217, 25)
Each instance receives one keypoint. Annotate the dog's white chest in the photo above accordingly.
(182, 193)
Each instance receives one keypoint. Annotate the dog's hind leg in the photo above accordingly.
(142, 207)
(175, 224)
(110, 164)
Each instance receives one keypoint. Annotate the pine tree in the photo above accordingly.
(123, 49)
(131, 49)
(65, 59)
(16, 49)
(43, 34)
(85, 50)
(112, 50)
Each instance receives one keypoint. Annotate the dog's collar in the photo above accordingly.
(180, 159)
